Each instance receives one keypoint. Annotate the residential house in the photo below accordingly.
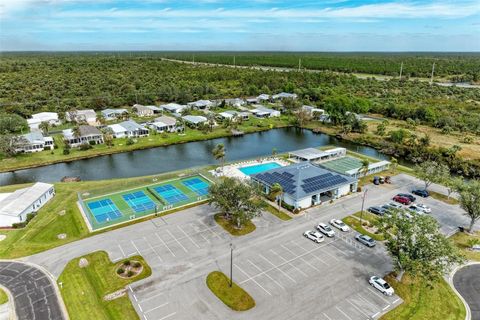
(194, 120)
(113, 114)
(263, 97)
(284, 95)
(15, 206)
(231, 114)
(251, 100)
(146, 111)
(263, 112)
(128, 129)
(37, 118)
(200, 104)
(165, 124)
(35, 142)
(88, 134)
(82, 116)
(316, 113)
(174, 107)
(235, 102)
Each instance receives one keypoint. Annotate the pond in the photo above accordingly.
(182, 156)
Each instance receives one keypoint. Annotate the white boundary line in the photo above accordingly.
(285, 260)
(266, 274)
(357, 308)
(468, 314)
(346, 315)
(303, 259)
(186, 235)
(258, 284)
(168, 316)
(171, 235)
(157, 307)
(153, 249)
(276, 268)
(165, 244)
(320, 260)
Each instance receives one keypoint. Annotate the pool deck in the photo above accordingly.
(233, 171)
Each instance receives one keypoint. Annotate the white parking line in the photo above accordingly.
(157, 307)
(329, 254)
(171, 235)
(396, 300)
(186, 235)
(386, 307)
(210, 229)
(375, 314)
(155, 251)
(320, 260)
(325, 315)
(378, 294)
(135, 247)
(294, 266)
(123, 253)
(165, 244)
(357, 308)
(258, 284)
(277, 268)
(359, 296)
(168, 316)
(346, 315)
(304, 260)
(266, 274)
(149, 298)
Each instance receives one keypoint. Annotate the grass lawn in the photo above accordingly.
(225, 224)
(279, 214)
(234, 297)
(461, 240)
(443, 198)
(354, 223)
(421, 302)
(83, 289)
(3, 297)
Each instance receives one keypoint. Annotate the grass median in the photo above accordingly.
(423, 302)
(3, 297)
(277, 213)
(83, 288)
(464, 242)
(443, 198)
(354, 222)
(234, 297)
(232, 229)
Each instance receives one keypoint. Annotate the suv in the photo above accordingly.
(406, 195)
(421, 193)
(314, 236)
(326, 230)
(366, 240)
(377, 210)
(402, 200)
(381, 285)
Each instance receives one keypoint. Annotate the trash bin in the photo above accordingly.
(462, 229)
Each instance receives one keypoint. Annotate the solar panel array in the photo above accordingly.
(322, 182)
(284, 179)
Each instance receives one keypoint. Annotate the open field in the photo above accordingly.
(84, 289)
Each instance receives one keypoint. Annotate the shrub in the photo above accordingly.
(85, 146)
(127, 262)
(92, 143)
(136, 264)
(129, 273)
(120, 270)
(164, 135)
(287, 206)
(129, 142)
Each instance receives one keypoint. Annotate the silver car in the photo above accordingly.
(326, 230)
(314, 236)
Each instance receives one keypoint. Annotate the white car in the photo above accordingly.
(394, 205)
(326, 230)
(381, 285)
(314, 236)
(339, 224)
(424, 208)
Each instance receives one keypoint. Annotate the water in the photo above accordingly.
(249, 170)
(181, 156)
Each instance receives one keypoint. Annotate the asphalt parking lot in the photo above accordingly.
(32, 291)
(467, 282)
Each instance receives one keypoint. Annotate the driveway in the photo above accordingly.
(467, 282)
(33, 292)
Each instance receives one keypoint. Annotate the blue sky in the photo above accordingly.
(331, 25)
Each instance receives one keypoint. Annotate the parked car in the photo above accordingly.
(377, 210)
(388, 179)
(392, 205)
(366, 240)
(402, 200)
(421, 193)
(376, 180)
(406, 195)
(339, 224)
(381, 180)
(416, 209)
(381, 285)
(314, 236)
(424, 208)
(326, 230)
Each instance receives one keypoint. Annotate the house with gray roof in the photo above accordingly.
(146, 111)
(174, 107)
(263, 97)
(234, 115)
(34, 142)
(263, 112)
(165, 124)
(82, 116)
(113, 114)
(194, 120)
(87, 134)
(200, 104)
(235, 102)
(305, 184)
(128, 129)
(284, 95)
(50, 117)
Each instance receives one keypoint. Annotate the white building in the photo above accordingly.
(314, 111)
(128, 129)
(262, 112)
(263, 97)
(174, 107)
(88, 134)
(165, 124)
(35, 142)
(113, 114)
(200, 104)
(37, 118)
(305, 185)
(87, 115)
(234, 115)
(235, 102)
(284, 95)
(14, 207)
(195, 120)
(317, 155)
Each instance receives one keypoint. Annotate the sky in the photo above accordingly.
(241, 25)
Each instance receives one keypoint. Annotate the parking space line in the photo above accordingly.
(171, 235)
(325, 315)
(149, 298)
(186, 235)
(277, 267)
(329, 254)
(210, 229)
(357, 308)
(341, 250)
(340, 310)
(157, 307)
(320, 260)
(386, 307)
(304, 260)
(155, 251)
(133, 243)
(123, 253)
(266, 274)
(201, 235)
(366, 301)
(290, 263)
(251, 278)
(168, 316)
(165, 244)
(375, 314)
(377, 294)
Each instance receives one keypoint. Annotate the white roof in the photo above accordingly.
(195, 119)
(282, 95)
(169, 121)
(226, 115)
(45, 116)
(116, 128)
(17, 202)
(173, 107)
(263, 96)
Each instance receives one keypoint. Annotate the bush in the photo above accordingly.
(129, 273)
(164, 135)
(127, 262)
(92, 143)
(120, 270)
(136, 264)
(85, 146)
(129, 142)
(287, 206)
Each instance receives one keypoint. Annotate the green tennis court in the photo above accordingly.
(117, 207)
(343, 165)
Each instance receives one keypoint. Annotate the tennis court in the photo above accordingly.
(139, 201)
(171, 194)
(104, 210)
(343, 165)
(196, 185)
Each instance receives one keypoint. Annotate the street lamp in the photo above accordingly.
(231, 264)
(363, 204)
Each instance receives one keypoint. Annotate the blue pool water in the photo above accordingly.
(259, 168)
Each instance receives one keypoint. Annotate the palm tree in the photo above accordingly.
(219, 153)
(44, 126)
(211, 120)
(364, 167)
(276, 193)
(394, 163)
(76, 132)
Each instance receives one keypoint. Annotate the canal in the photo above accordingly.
(181, 156)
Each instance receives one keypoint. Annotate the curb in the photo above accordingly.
(12, 314)
(468, 315)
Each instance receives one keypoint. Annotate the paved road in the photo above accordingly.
(289, 276)
(467, 282)
(33, 292)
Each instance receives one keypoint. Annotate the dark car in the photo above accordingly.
(402, 200)
(377, 210)
(376, 180)
(406, 195)
(421, 193)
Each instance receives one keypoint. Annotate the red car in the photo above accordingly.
(402, 200)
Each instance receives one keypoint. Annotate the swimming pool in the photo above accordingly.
(257, 168)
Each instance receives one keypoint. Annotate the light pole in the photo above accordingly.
(231, 264)
(363, 204)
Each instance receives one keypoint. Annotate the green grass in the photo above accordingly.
(461, 240)
(421, 302)
(279, 214)
(3, 297)
(230, 228)
(443, 198)
(354, 223)
(234, 297)
(83, 289)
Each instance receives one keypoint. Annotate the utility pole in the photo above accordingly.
(231, 264)
(433, 70)
(401, 70)
(363, 205)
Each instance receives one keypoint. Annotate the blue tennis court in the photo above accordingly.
(170, 193)
(104, 210)
(196, 185)
(139, 201)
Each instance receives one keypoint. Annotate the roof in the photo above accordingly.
(195, 119)
(114, 111)
(263, 96)
(131, 125)
(235, 101)
(227, 114)
(200, 103)
(117, 128)
(34, 137)
(45, 116)
(262, 109)
(173, 106)
(282, 95)
(343, 165)
(303, 179)
(142, 107)
(18, 201)
(84, 131)
(313, 154)
(169, 121)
